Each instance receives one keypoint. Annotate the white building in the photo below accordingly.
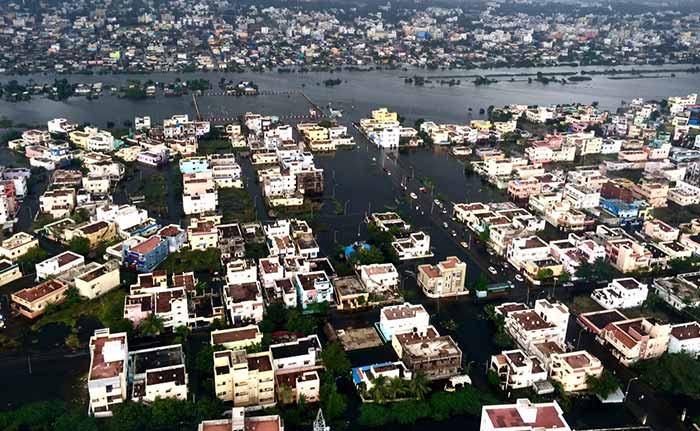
(621, 293)
(58, 264)
(685, 338)
(124, 216)
(200, 203)
(244, 302)
(107, 378)
(399, 319)
(415, 246)
(296, 355)
(379, 276)
(517, 370)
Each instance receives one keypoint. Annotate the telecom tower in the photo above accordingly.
(320, 423)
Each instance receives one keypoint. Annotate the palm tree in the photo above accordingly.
(395, 388)
(378, 391)
(419, 386)
(152, 325)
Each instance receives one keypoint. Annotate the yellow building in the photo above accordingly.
(94, 232)
(17, 245)
(245, 379)
(481, 125)
(32, 301)
(573, 369)
(383, 114)
(237, 338)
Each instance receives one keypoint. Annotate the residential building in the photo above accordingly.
(415, 246)
(157, 372)
(573, 369)
(517, 370)
(302, 384)
(202, 234)
(434, 355)
(125, 216)
(239, 422)
(313, 288)
(685, 338)
(94, 232)
(301, 354)
(399, 319)
(9, 271)
(363, 377)
(546, 323)
(107, 377)
(17, 245)
(57, 203)
(31, 302)
(175, 236)
(680, 291)
(653, 192)
(244, 302)
(245, 379)
(627, 255)
(447, 278)
(378, 277)
(621, 293)
(237, 338)
(58, 264)
(660, 231)
(523, 416)
(638, 339)
(146, 255)
(93, 279)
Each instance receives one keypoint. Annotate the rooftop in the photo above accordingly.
(39, 291)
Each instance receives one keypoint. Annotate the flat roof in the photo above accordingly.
(31, 294)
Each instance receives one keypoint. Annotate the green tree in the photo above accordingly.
(152, 325)
(544, 274)
(335, 360)
(33, 256)
(675, 373)
(480, 283)
(75, 421)
(372, 416)
(419, 386)
(332, 402)
(603, 385)
(130, 416)
(80, 245)
(485, 234)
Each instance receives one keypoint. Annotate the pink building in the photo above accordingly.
(522, 189)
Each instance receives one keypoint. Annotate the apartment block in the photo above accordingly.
(107, 377)
(633, 340)
(245, 379)
(447, 278)
(573, 369)
(517, 370)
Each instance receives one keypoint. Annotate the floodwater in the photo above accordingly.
(357, 178)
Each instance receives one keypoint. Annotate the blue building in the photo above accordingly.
(147, 255)
(194, 165)
(627, 213)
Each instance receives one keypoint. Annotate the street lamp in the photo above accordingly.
(627, 390)
(578, 338)
(407, 275)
